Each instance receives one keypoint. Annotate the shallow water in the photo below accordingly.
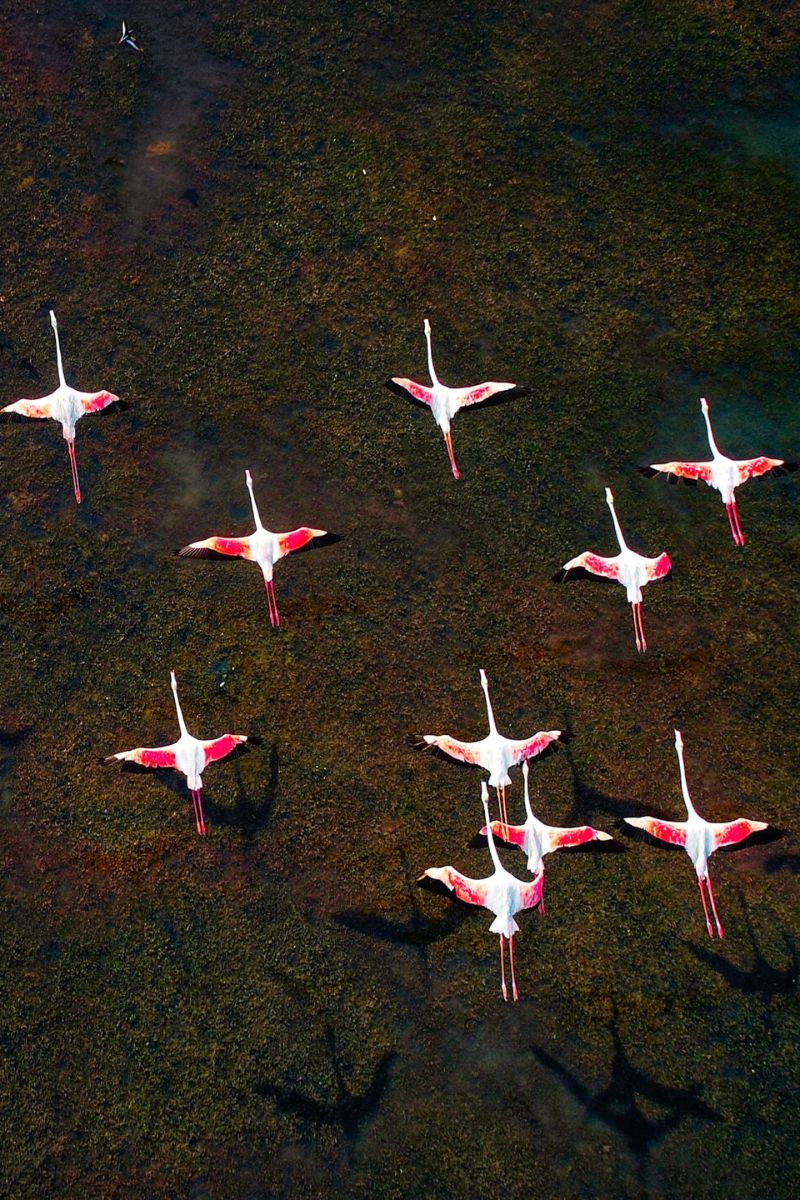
(236, 230)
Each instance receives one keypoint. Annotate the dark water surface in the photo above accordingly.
(236, 230)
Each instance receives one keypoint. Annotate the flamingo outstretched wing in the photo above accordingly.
(558, 839)
(751, 468)
(159, 756)
(530, 894)
(658, 568)
(690, 472)
(217, 547)
(513, 834)
(530, 747)
(31, 408)
(468, 752)
(222, 746)
(463, 397)
(298, 538)
(673, 832)
(731, 832)
(608, 568)
(417, 391)
(471, 891)
(92, 402)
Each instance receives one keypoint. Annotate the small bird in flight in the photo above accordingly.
(129, 38)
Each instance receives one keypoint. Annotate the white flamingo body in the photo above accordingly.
(66, 405)
(536, 839)
(699, 838)
(443, 401)
(722, 473)
(501, 893)
(630, 569)
(494, 753)
(189, 755)
(262, 547)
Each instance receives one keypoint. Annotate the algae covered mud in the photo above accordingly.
(241, 230)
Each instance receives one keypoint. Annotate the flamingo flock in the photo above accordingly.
(502, 893)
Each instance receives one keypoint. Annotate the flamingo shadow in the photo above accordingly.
(348, 1112)
(587, 799)
(619, 1107)
(249, 814)
(783, 862)
(9, 745)
(762, 980)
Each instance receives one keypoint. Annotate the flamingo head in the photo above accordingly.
(678, 740)
(248, 478)
(53, 320)
(704, 404)
(609, 497)
(173, 681)
(426, 325)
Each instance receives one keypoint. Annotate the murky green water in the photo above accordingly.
(236, 230)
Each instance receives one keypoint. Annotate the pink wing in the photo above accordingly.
(96, 401)
(463, 397)
(686, 470)
(221, 747)
(530, 747)
(234, 547)
(31, 408)
(298, 538)
(471, 891)
(530, 894)
(468, 752)
(673, 832)
(416, 390)
(751, 468)
(607, 567)
(561, 838)
(658, 568)
(514, 834)
(162, 756)
(735, 831)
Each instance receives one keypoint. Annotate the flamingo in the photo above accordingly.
(723, 473)
(495, 753)
(261, 546)
(537, 839)
(444, 402)
(502, 893)
(699, 838)
(630, 569)
(67, 405)
(129, 38)
(188, 754)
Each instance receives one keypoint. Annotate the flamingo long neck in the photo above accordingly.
(54, 323)
(256, 517)
(687, 799)
(489, 713)
(431, 368)
(622, 543)
(714, 447)
(498, 866)
(181, 722)
(528, 808)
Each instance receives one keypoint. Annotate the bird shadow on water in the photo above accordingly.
(762, 980)
(624, 1103)
(251, 813)
(417, 931)
(348, 1112)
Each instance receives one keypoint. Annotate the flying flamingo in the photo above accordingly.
(188, 754)
(495, 753)
(699, 838)
(502, 893)
(536, 839)
(723, 473)
(444, 402)
(66, 405)
(261, 546)
(630, 569)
